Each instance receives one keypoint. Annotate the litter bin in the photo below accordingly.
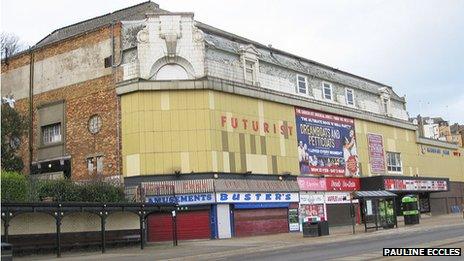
(410, 210)
(323, 228)
(310, 229)
(7, 252)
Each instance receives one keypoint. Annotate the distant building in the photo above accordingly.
(439, 129)
(457, 134)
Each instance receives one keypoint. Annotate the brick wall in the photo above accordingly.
(84, 92)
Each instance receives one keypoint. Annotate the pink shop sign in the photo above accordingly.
(312, 184)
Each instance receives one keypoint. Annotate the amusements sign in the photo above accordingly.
(326, 144)
(376, 153)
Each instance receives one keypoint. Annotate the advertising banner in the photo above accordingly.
(326, 144)
(309, 212)
(415, 184)
(253, 197)
(376, 153)
(293, 223)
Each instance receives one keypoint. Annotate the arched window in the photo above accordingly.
(171, 72)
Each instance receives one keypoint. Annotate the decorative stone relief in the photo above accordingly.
(143, 36)
(197, 35)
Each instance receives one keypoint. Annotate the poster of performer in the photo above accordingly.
(326, 144)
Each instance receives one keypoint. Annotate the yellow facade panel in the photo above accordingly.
(156, 121)
(167, 145)
(175, 121)
(142, 142)
(176, 162)
(150, 163)
(158, 163)
(166, 121)
(203, 161)
(167, 163)
(142, 164)
(135, 102)
(166, 127)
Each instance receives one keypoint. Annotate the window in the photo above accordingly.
(108, 61)
(327, 91)
(100, 165)
(95, 163)
(385, 105)
(90, 165)
(393, 162)
(349, 95)
(51, 133)
(302, 84)
(172, 72)
(249, 71)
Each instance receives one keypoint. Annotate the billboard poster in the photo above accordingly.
(293, 223)
(310, 212)
(326, 144)
(376, 153)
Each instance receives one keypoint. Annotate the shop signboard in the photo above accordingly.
(337, 198)
(185, 199)
(311, 184)
(326, 144)
(328, 184)
(312, 198)
(376, 153)
(343, 184)
(246, 185)
(171, 187)
(415, 185)
(255, 197)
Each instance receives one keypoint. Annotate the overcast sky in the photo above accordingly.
(417, 47)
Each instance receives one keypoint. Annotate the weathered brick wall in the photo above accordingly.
(81, 102)
(89, 94)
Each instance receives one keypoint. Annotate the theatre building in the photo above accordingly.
(221, 124)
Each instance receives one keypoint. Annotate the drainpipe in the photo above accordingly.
(113, 46)
(118, 112)
(31, 106)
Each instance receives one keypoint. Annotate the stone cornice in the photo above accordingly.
(437, 143)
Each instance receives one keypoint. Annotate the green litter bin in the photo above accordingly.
(410, 210)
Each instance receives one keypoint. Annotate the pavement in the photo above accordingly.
(341, 244)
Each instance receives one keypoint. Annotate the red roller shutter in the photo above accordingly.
(252, 222)
(190, 225)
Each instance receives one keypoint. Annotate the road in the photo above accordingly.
(366, 249)
(290, 246)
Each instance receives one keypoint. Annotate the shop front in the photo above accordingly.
(256, 207)
(419, 187)
(328, 199)
(195, 217)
